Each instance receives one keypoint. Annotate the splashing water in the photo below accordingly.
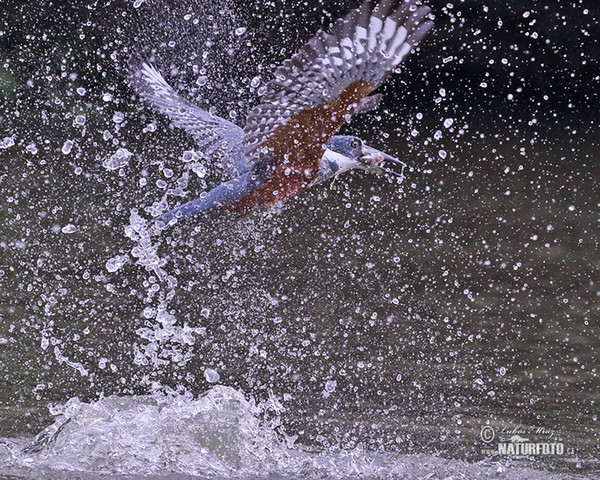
(163, 340)
(118, 160)
(220, 434)
(336, 285)
(160, 291)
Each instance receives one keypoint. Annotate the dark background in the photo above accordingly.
(487, 262)
(543, 53)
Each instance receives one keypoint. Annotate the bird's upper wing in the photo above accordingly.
(313, 92)
(214, 136)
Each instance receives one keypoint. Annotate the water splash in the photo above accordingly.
(220, 434)
(67, 147)
(161, 325)
(118, 160)
(7, 142)
(114, 264)
(164, 340)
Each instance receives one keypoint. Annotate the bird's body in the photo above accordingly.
(289, 142)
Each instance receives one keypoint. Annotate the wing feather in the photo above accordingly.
(214, 136)
(329, 76)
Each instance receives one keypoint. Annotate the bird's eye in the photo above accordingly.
(355, 143)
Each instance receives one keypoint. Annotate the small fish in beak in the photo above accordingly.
(372, 158)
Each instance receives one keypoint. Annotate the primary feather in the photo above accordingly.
(364, 46)
(214, 136)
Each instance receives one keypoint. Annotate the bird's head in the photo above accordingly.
(345, 153)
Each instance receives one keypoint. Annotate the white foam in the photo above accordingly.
(221, 434)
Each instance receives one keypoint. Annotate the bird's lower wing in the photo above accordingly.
(215, 136)
(320, 86)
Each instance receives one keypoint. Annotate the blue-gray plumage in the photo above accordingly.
(228, 192)
(343, 153)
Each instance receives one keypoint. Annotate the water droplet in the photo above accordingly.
(68, 228)
(199, 170)
(240, 31)
(115, 263)
(211, 375)
(118, 117)
(7, 142)
(255, 82)
(330, 386)
(202, 80)
(67, 147)
(118, 160)
(189, 156)
(80, 119)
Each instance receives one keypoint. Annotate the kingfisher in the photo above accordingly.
(289, 142)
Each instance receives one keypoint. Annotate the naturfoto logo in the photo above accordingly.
(521, 441)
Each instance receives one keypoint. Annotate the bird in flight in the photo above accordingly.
(289, 142)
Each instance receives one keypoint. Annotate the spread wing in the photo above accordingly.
(327, 80)
(214, 136)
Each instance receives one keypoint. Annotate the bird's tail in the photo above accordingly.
(219, 197)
